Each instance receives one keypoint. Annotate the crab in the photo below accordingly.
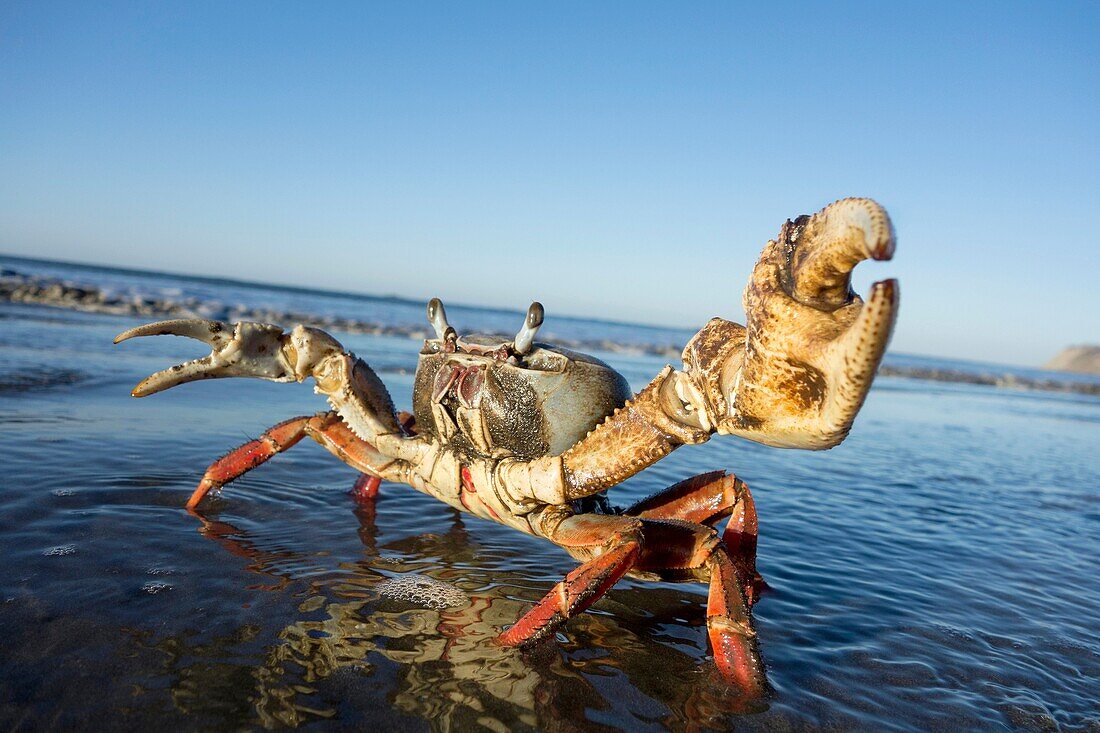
(532, 435)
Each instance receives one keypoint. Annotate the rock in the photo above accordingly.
(1080, 359)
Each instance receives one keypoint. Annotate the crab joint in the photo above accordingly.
(541, 480)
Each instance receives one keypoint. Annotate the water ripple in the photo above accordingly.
(945, 583)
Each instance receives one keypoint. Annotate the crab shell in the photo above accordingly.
(475, 395)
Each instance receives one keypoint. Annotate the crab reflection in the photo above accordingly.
(350, 645)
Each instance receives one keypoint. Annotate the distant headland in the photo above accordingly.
(1084, 359)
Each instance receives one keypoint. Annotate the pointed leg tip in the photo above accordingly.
(365, 490)
(738, 661)
(512, 638)
(205, 487)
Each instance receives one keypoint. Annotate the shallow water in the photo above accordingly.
(936, 571)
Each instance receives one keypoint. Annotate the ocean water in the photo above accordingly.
(936, 571)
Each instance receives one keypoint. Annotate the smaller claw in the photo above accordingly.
(248, 350)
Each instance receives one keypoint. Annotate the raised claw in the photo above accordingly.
(244, 350)
(799, 373)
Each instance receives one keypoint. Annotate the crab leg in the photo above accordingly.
(677, 549)
(616, 545)
(612, 556)
(703, 499)
(729, 626)
(707, 499)
(326, 428)
(740, 539)
(244, 458)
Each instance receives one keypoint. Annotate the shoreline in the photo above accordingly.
(24, 289)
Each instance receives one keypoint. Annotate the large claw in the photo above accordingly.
(799, 373)
(264, 351)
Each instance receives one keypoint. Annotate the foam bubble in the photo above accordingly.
(153, 587)
(60, 550)
(423, 591)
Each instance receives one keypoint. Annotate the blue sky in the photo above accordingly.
(625, 161)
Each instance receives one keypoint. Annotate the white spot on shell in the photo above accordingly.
(423, 591)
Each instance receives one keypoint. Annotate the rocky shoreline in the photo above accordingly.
(28, 289)
(35, 290)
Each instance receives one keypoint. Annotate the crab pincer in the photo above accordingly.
(264, 351)
(244, 350)
(812, 345)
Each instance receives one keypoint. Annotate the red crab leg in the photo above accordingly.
(366, 487)
(585, 585)
(729, 626)
(703, 499)
(674, 546)
(707, 499)
(740, 540)
(243, 459)
(326, 428)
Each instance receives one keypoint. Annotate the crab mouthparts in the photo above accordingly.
(462, 383)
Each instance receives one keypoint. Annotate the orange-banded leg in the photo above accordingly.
(326, 428)
(677, 549)
(612, 544)
(707, 499)
(670, 548)
(730, 628)
(365, 489)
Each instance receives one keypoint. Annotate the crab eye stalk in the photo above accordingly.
(437, 316)
(525, 339)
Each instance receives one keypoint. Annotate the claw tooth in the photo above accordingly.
(212, 333)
